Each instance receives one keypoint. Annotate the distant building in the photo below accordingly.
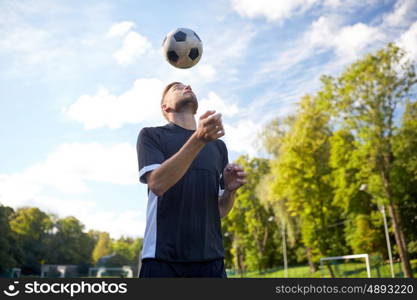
(59, 271)
(11, 273)
(113, 265)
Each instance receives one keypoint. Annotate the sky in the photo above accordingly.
(79, 79)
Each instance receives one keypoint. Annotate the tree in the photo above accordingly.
(302, 177)
(249, 236)
(129, 248)
(272, 138)
(272, 135)
(69, 244)
(136, 249)
(10, 253)
(405, 173)
(31, 228)
(363, 224)
(103, 247)
(367, 96)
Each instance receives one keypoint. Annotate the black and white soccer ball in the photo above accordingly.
(182, 48)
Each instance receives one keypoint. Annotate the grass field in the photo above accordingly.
(345, 270)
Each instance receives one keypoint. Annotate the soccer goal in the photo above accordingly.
(345, 266)
(125, 271)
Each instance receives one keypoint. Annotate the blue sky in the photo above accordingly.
(79, 79)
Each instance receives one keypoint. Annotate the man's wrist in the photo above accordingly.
(198, 141)
(230, 190)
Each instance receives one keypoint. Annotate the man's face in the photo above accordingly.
(180, 98)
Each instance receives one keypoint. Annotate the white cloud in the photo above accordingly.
(321, 31)
(348, 41)
(63, 208)
(140, 103)
(298, 64)
(326, 33)
(404, 12)
(120, 29)
(227, 49)
(408, 41)
(333, 3)
(206, 71)
(240, 137)
(214, 102)
(24, 39)
(286, 59)
(278, 11)
(134, 45)
(69, 168)
(40, 42)
(346, 6)
(270, 9)
(127, 223)
(29, 49)
(353, 39)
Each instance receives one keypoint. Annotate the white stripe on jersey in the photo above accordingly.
(146, 169)
(149, 240)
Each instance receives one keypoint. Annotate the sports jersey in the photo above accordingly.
(182, 225)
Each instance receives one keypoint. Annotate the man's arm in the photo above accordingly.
(174, 168)
(234, 178)
(226, 202)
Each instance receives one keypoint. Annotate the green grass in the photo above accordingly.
(345, 270)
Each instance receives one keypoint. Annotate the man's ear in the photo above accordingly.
(165, 108)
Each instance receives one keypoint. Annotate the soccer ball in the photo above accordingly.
(182, 48)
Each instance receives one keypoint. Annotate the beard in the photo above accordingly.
(187, 104)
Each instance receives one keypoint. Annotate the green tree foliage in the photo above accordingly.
(129, 248)
(10, 253)
(303, 178)
(103, 247)
(363, 223)
(30, 237)
(136, 249)
(249, 236)
(69, 244)
(272, 135)
(366, 97)
(31, 228)
(405, 174)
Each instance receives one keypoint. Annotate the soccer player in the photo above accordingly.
(191, 186)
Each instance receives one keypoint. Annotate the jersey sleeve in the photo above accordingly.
(149, 150)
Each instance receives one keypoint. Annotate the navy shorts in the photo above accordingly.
(157, 268)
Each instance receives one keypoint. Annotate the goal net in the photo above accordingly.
(346, 266)
(125, 271)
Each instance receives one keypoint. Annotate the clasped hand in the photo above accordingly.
(210, 126)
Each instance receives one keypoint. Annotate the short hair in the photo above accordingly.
(164, 93)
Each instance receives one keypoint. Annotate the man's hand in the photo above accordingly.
(234, 177)
(210, 127)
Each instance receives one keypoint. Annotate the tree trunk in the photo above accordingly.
(262, 262)
(399, 239)
(396, 222)
(330, 270)
(238, 267)
(311, 264)
(241, 265)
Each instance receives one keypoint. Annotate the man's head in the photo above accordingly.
(178, 98)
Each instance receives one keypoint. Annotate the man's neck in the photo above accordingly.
(185, 120)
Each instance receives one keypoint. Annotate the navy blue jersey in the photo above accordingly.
(182, 225)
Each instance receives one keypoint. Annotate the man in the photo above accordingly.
(190, 187)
